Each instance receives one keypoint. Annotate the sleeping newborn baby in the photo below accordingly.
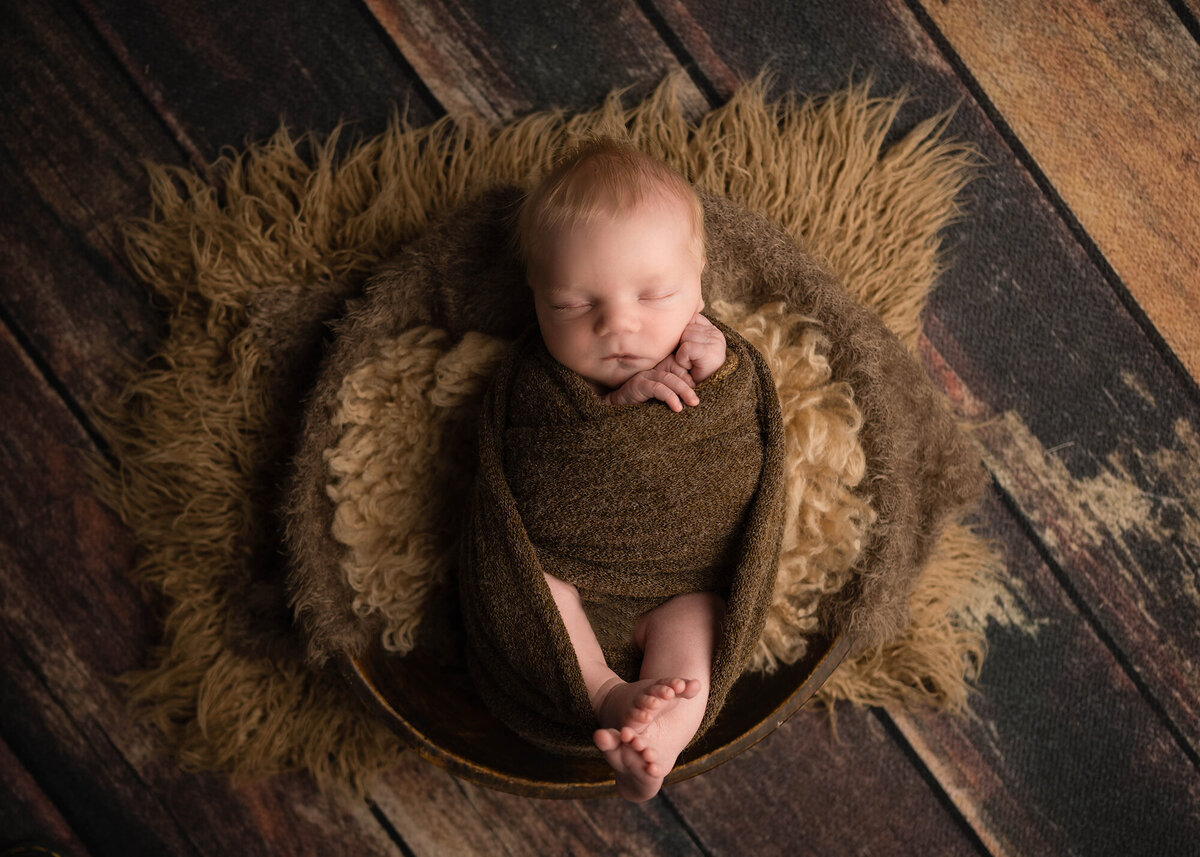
(633, 445)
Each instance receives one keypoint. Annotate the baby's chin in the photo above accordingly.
(613, 378)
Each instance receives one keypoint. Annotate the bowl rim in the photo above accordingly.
(824, 655)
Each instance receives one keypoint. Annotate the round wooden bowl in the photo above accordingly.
(439, 714)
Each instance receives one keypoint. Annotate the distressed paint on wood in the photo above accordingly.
(1124, 530)
(1061, 754)
(1105, 97)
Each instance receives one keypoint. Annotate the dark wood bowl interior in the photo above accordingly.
(438, 713)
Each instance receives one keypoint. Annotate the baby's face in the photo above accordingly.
(614, 296)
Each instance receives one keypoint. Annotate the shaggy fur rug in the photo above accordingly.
(255, 269)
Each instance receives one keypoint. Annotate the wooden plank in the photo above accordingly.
(499, 60)
(220, 74)
(1106, 98)
(1124, 530)
(1061, 753)
(70, 170)
(1031, 327)
(72, 621)
(1190, 14)
(437, 814)
(27, 815)
(804, 791)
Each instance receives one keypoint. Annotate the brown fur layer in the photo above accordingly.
(253, 271)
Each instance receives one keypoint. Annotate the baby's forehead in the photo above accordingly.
(664, 199)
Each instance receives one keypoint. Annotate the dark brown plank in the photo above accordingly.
(1031, 326)
(70, 170)
(220, 74)
(1189, 13)
(27, 815)
(72, 622)
(1121, 83)
(438, 814)
(1061, 754)
(499, 60)
(804, 791)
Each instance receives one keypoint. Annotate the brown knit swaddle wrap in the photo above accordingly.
(632, 504)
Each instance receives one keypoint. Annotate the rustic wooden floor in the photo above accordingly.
(1070, 316)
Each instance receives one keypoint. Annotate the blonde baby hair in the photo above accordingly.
(599, 178)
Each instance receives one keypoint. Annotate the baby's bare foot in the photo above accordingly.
(644, 727)
(631, 762)
(629, 707)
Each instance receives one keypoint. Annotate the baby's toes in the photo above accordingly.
(606, 739)
(654, 769)
(666, 689)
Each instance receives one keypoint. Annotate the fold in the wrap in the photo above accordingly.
(632, 504)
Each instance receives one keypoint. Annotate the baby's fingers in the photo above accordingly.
(674, 392)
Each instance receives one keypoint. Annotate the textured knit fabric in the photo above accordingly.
(632, 504)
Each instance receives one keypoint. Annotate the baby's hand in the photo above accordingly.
(701, 349)
(657, 383)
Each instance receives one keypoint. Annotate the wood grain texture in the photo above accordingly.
(437, 814)
(27, 815)
(220, 74)
(1030, 327)
(70, 170)
(1061, 754)
(499, 60)
(1106, 98)
(804, 791)
(71, 623)
(1123, 529)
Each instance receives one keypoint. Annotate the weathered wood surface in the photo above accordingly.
(492, 59)
(71, 169)
(72, 623)
(1093, 444)
(802, 790)
(27, 814)
(1061, 754)
(219, 74)
(1104, 96)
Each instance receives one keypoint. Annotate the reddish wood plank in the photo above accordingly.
(804, 791)
(71, 622)
(498, 60)
(27, 815)
(699, 46)
(1061, 754)
(1106, 98)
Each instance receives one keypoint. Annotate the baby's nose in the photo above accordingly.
(618, 318)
